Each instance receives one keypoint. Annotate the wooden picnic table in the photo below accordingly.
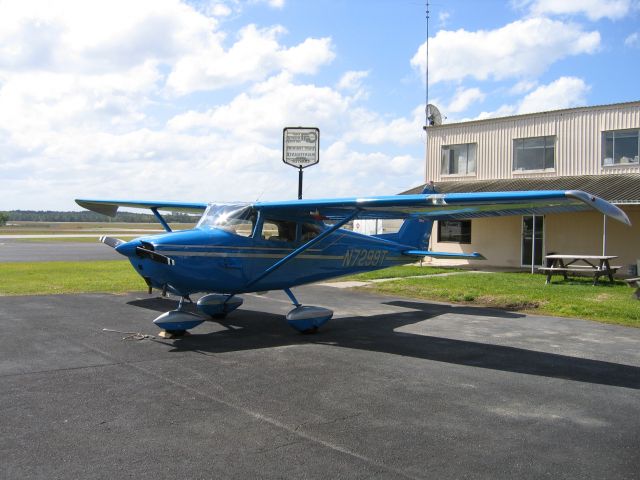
(597, 265)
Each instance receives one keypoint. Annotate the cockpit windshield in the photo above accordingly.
(238, 218)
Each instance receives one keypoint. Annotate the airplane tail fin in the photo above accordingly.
(414, 231)
(417, 231)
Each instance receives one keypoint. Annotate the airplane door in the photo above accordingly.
(275, 240)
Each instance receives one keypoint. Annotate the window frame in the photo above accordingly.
(441, 223)
(545, 148)
(613, 163)
(467, 173)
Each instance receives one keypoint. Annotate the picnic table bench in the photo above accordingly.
(596, 265)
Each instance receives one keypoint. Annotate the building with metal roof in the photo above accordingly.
(595, 149)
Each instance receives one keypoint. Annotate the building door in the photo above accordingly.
(532, 240)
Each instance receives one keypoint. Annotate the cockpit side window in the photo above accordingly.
(279, 230)
(309, 231)
(288, 231)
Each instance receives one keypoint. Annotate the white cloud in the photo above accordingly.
(89, 37)
(633, 40)
(524, 48)
(592, 9)
(79, 83)
(73, 65)
(276, 3)
(262, 112)
(443, 19)
(349, 172)
(80, 37)
(464, 98)
(565, 92)
(523, 86)
(502, 111)
(254, 56)
(352, 80)
(371, 129)
(219, 10)
(35, 102)
(76, 126)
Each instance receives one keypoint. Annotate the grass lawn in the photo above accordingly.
(399, 272)
(525, 292)
(43, 278)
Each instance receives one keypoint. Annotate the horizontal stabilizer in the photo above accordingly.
(428, 253)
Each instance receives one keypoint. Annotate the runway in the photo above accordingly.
(390, 388)
(19, 251)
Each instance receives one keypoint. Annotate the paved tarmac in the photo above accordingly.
(390, 388)
(17, 251)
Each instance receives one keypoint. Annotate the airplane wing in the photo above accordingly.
(449, 206)
(110, 207)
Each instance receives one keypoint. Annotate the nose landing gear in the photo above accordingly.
(176, 322)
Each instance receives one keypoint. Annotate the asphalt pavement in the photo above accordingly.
(24, 251)
(390, 388)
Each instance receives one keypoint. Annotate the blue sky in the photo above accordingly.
(162, 99)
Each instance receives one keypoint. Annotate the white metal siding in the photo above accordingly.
(578, 145)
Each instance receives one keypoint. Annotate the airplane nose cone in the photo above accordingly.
(128, 249)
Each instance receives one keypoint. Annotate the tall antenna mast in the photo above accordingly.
(426, 77)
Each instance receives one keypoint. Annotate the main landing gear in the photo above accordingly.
(175, 323)
(306, 319)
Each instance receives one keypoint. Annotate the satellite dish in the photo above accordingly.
(434, 117)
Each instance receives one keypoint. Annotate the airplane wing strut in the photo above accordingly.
(304, 247)
(161, 219)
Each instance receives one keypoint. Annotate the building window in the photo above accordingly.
(621, 147)
(459, 159)
(455, 231)
(537, 153)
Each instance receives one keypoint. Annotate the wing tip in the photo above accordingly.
(103, 208)
(601, 205)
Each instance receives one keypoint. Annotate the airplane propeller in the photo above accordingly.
(156, 257)
(142, 249)
(111, 241)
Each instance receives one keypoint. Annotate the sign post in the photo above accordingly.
(300, 149)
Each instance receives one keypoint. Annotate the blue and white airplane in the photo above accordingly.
(239, 248)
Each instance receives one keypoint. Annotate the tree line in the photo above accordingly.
(86, 216)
